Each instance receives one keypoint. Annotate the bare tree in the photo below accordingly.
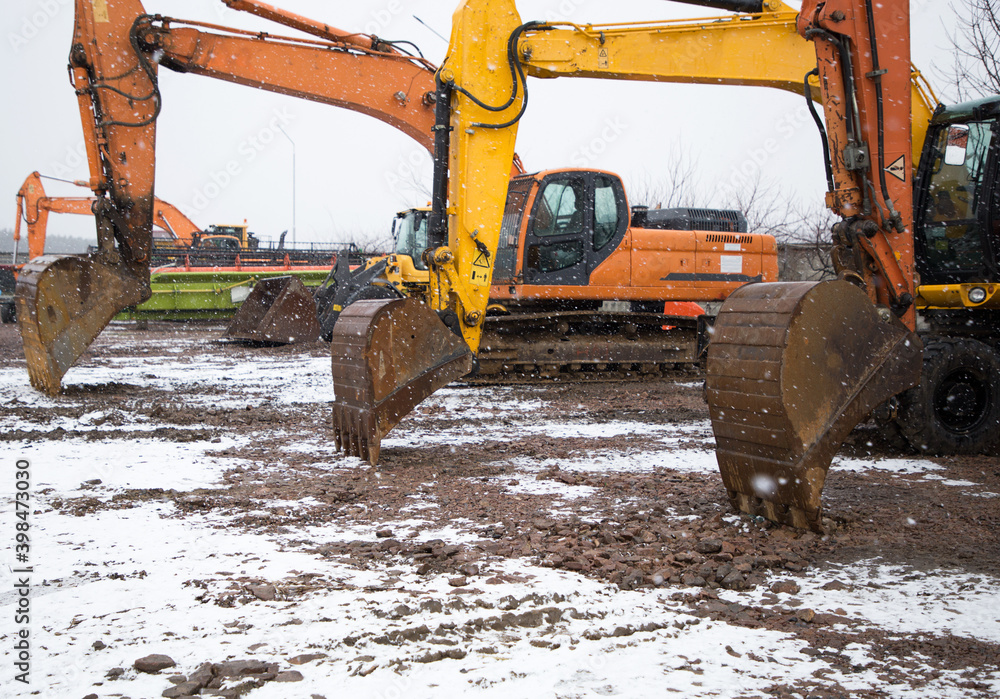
(673, 185)
(801, 229)
(976, 44)
(804, 249)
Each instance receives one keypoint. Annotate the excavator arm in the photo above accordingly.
(113, 69)
(388, 355)
(63, 302)
(793, 367)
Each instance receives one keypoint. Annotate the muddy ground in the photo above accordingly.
(662, 527)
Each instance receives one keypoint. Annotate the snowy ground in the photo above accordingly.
(127, 563)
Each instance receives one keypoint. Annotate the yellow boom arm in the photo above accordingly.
(762, 50)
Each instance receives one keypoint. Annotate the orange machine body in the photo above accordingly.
(570, 235)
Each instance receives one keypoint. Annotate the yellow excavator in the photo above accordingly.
(793, 367)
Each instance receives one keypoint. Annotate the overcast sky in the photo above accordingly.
(351, 170)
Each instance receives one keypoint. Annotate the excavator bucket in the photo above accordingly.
(279, 310)
(792, 368)
(63, 302)
(388, 355)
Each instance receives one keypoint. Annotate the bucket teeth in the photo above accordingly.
(387, 356)
(352, 430)
(792, 369)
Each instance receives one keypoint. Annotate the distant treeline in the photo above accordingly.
(59, 244)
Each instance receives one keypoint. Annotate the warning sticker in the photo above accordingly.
(480, 270)
(898, 168)
(100, 10)
(602, 58)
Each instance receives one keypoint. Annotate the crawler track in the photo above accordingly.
(586, 346)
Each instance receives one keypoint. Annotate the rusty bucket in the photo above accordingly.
(792, 369)
(279, 310)
(63, 302)
(388, 355)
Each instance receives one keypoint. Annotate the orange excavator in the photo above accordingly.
(64, 302)
(34, 207)
(177, 241)
(583, 283)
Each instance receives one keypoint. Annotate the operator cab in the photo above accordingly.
(409, 234)
(577, 220)
(957, 212)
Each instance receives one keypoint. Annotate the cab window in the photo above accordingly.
(411, 236)
(952, 228)
(605, 213)
(560, 207)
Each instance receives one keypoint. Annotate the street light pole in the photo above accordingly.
(293, 179)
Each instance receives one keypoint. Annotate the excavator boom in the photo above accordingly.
(761, 50)
(34, 207)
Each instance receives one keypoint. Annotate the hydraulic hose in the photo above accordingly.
(822, 130)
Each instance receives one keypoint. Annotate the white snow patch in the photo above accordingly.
(897, 466)
(62, 465)
(903, 599)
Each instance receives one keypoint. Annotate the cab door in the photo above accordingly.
(560, 230)
(956, 231)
